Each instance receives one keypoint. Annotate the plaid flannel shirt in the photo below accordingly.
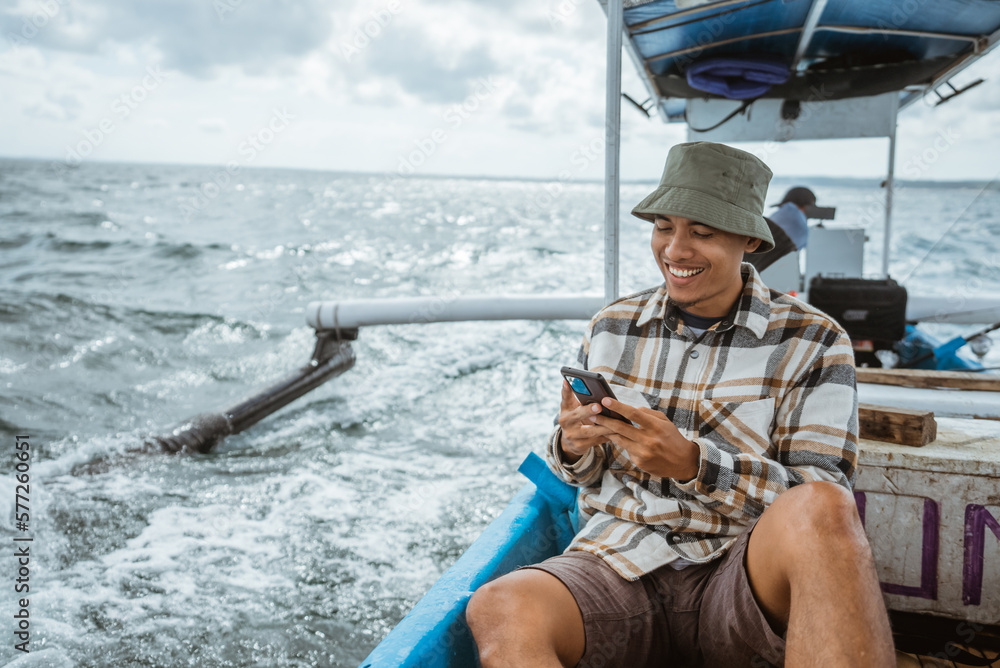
(768, 395)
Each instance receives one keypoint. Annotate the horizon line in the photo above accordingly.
(395, 175)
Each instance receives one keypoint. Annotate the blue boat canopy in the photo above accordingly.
(832, 50)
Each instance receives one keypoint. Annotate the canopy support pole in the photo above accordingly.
(808, 30)
(889, 188)
(612, 148)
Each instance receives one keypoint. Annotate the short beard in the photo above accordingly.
(684, 306)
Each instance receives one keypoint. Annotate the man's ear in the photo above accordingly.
(753, 243)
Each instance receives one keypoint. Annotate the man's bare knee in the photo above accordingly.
(826, 505)
(491, 612)
(525, 613)
(490, 606)
(514, 603)
(817, 515)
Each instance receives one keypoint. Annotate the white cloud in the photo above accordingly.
(213, 125)
(56, 107)
(420, 58)
(191, 36)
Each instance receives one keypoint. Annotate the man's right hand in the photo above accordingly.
(579, 434)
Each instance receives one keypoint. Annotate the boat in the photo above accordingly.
(929, 468)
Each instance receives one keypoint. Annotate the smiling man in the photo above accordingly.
(717, 528)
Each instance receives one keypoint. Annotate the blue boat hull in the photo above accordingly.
(537, 524)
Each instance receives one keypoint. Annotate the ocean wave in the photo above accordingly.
(56, 243)
(183, 251)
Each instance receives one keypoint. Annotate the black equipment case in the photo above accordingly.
(870, 309)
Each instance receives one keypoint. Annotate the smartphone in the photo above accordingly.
(589, 388)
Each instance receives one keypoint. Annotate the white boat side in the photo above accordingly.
(940, 401)
(956, 309)
(930, 516)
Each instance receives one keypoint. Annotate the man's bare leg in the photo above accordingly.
(526, 618)
(811, 570)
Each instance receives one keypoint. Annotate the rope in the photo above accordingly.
(742, 109)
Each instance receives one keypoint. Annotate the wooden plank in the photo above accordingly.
(896, 425)
(924, 378)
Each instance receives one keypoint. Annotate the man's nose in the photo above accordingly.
(678, 248)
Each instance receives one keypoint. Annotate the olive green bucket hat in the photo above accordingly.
(718, 185)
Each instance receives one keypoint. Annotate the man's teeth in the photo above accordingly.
(684, 273)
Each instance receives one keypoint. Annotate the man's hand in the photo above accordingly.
(656, 446)
(578, 434)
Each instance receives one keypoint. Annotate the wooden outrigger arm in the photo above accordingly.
(331, 357)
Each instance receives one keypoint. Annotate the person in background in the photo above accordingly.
(789, 227)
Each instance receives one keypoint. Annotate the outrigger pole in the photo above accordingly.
(889, 187)
(331, 357)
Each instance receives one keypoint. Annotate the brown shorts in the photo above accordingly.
(702, 615)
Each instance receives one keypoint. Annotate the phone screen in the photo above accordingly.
(579, 386)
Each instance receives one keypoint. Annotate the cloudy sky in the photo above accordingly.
(431, 86)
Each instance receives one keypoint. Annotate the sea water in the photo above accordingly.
(135, 296)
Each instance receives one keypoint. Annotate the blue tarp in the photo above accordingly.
(707, 26)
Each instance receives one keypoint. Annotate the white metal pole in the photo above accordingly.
(808, 30)
(889, 187)
(612, 148)
(353, 313)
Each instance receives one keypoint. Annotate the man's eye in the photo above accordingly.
(702, 236)
(662, 229)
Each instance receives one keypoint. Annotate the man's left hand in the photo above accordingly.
(655, 445)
